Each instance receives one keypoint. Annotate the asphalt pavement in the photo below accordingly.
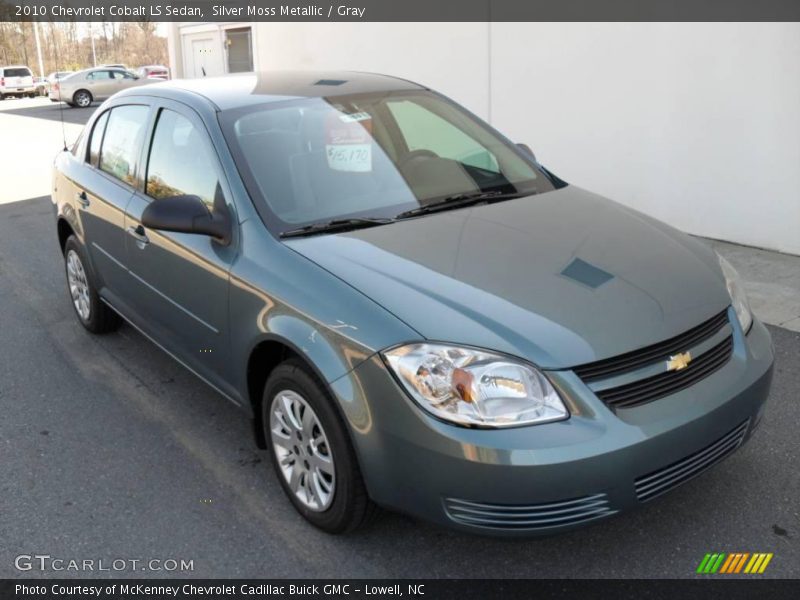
(111, 450)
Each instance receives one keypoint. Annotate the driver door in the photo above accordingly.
(179, 280)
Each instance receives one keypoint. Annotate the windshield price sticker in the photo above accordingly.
(348, 142)
(350, 157)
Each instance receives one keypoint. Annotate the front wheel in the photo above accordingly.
(311, 451)
(82, 98)
(93, 314)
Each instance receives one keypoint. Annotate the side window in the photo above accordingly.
(181, 160)
(99, 75)
(97, 138)
(122, 141)
(424, 130)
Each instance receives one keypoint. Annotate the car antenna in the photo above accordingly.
(60, 103)
(61, 114)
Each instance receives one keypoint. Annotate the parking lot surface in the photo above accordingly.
(109, 449)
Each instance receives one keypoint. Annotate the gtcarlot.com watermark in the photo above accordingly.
(46, 562)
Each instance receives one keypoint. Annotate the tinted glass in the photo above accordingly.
(426, 131)
(122, 141)
(99, 75)
(97, 138)
(181, 161)
(17, 72)
(370, 155)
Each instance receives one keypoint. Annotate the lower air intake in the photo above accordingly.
(659, 482)
(528, 517)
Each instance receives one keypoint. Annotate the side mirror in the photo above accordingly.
(187, 214)
(527, 149)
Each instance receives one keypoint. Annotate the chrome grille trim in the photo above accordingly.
(528, 517)
(654, 353)
(663, 480)
(669, 382)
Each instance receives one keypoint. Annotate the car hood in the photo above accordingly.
(561, 279)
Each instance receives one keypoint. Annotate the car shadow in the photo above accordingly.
(52, 111)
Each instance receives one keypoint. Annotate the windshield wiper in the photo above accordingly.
(335, 225)
(460, 200)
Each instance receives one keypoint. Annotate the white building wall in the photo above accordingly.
(453, 57)
(695, 124)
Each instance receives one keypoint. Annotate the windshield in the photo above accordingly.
(369, 155)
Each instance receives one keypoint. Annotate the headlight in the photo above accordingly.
(736, 291)
(474, 387)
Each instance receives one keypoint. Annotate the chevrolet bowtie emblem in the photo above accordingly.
(679, 361)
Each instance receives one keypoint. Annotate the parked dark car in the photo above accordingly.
(414, 311)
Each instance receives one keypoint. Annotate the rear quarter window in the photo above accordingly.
(97, 139)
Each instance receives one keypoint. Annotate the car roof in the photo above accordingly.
(234, 91)
(15, 67)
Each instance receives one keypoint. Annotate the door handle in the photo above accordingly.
(139, 235)
(82, 199)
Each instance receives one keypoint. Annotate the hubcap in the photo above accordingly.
(301, 447)
(83, 100)
(78, 286)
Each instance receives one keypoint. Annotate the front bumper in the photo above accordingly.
(547, 478)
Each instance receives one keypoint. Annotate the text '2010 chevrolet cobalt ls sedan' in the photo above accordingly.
(415, 312)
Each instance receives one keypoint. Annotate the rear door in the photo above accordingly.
(181, 280)
(102, 189)
(100, 84)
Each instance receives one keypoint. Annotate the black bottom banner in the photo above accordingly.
(427, 589)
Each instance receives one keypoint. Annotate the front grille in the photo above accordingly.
(529, 517)
(629, 361)
(668, 382)
(659, 482)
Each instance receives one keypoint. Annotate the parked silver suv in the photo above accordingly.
(16, 80)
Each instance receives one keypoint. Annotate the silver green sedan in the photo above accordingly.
(415, 313)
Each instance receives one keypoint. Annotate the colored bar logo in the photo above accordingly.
(733, 563)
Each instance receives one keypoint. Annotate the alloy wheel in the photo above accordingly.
(302, 450)
(78, 285)
(83, 99)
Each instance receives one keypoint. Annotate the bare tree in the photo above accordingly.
(67, 45)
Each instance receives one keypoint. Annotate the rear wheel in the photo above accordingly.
(93, 314)
(311, 451)
(82, 98)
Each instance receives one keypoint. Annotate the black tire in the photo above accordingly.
(351, 506)
(2, 97)
(101, 318)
